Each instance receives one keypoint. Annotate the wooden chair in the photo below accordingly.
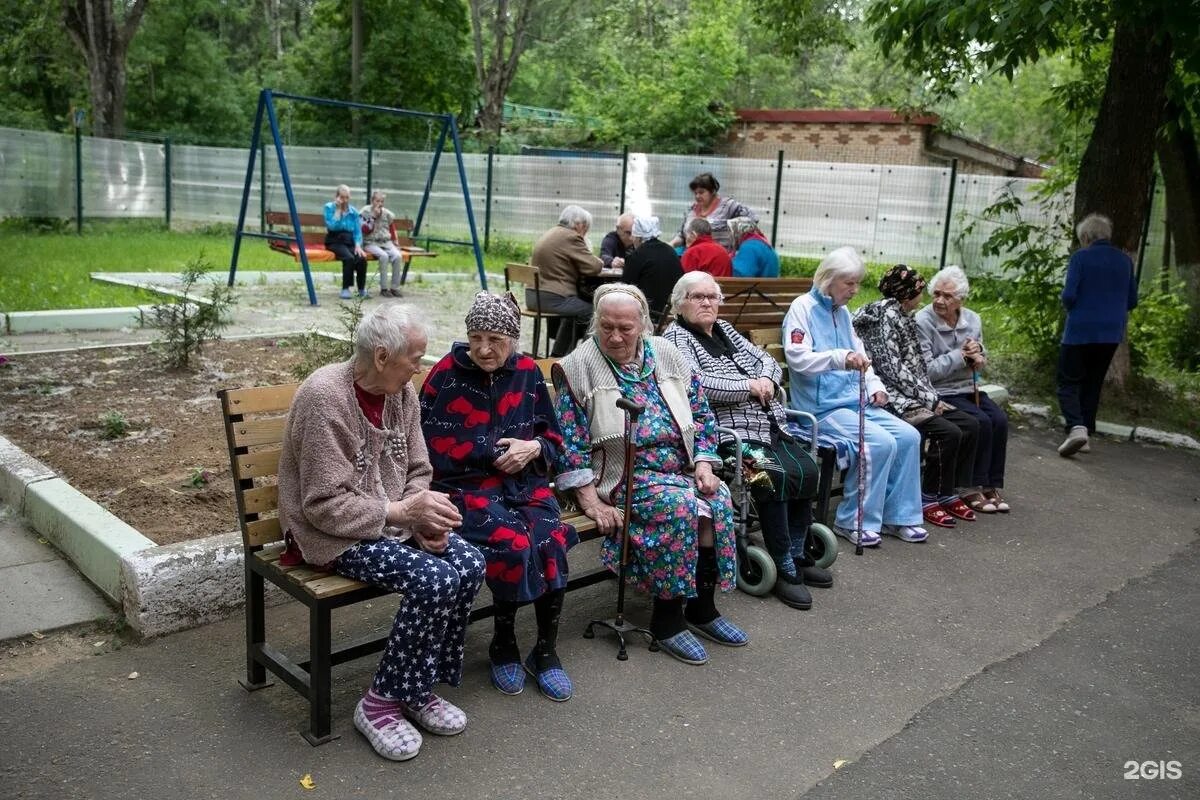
(529, 276)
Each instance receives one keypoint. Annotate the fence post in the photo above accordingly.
(949, 209)
(487, 203)
(775, 212)
(1146, 227)
(167, 178)
(624, 176)
(370, 158)
(78, 173)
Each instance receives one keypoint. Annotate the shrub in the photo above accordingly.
(188, 321)
(318, 349)
(113, 425)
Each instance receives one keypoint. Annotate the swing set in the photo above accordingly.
(295, 242)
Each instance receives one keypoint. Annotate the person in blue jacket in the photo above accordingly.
(826, 360)
(1100, 291)
(753, 256)
(343, 238)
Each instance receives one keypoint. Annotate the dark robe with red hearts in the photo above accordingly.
(513, 519)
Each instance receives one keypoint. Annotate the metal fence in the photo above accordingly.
(889, 213)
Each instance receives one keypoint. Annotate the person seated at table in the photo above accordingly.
(563, 256)
(826, 361)
(617, 244)
(681, 536)
(742, 385)
(952, 345)
(713, 207)
(493, 438)
(753, 255)
(343, 238)
(354, 497)
(378, 242)
(653, 266)
(702, 253)
(948, 435)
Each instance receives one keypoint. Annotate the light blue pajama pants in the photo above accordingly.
(893, 478)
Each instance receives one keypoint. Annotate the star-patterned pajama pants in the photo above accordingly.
(426, 643)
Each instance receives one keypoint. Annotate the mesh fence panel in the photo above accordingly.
(206, 185)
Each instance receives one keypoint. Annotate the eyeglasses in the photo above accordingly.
(706, 298)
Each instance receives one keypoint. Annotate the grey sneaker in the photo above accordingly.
(1076, 439)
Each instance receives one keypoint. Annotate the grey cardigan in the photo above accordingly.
(941, 345)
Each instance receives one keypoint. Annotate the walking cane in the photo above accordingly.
(617, 624)
(975, 385)
(862, 460)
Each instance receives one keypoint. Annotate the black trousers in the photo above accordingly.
(1081, 371)
(354, 267)
(949, 440)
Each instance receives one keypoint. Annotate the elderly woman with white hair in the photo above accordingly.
(354, 495)
(653, 266)
(753, 255)
(952, 345)
(826, 361)
(563, 256)
(742, 384)
(681, 534)
(493, 438)
(379, 241)
(1099, 292)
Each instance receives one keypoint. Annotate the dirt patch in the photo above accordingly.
(168, 474)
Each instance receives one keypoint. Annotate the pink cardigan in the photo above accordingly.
(337, 471)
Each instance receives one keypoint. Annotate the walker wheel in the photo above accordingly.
(822, 545)
(756, 572)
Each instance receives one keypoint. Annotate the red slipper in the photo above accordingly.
(936, 515)
(960, 509)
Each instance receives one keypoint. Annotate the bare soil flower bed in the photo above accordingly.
(168, 474)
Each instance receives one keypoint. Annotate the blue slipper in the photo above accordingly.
(553, 682)
(722, 631)
(508, 678)
(685, 647)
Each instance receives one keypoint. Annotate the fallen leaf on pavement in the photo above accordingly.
(841, 762)
(307, 782)
(133, 676)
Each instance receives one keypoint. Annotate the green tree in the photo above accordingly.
(42, 76)
(102, 31)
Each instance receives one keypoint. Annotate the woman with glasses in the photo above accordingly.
(742, 384)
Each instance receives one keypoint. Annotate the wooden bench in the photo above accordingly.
(312, 229)
(752, 303)
(254, 422)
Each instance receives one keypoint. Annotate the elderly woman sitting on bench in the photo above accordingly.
(354, 495)
(681, 528)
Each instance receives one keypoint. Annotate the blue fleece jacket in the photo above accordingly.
(1099, 292)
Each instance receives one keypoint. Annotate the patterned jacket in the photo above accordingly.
(726, 382)
(894, 346)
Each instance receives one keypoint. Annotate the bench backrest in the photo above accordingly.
(759, 302)
(312, 227)
(254, 424)
(769, 339)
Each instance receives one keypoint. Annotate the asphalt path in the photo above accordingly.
(1028, 655)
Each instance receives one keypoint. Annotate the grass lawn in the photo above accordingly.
(53, 268)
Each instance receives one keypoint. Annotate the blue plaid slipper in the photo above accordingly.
(722, 631)
(508, 678)
(685, 647)
(553, 682)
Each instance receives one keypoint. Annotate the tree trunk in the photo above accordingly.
(356, 54)
(1179, 158)
(1115, 172)
(104, 40)
(496, 68)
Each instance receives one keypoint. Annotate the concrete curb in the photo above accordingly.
(79, 319)
(1134, 433)
(18, 470)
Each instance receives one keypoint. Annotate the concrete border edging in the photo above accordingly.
(18, 470)
(1134, 433)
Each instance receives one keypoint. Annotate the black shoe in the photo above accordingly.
(816, 577)
(791, 592)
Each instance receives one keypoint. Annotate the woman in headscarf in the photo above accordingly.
(753, 255)
(493, 438)
(889, 334)
(653, 266)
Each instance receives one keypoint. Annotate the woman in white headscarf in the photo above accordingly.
(653, 266)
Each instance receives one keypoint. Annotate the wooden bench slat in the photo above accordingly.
(261, 399)
(260, 499)
(259, 464)
(263, 531)
(249, 433)
(333, 586)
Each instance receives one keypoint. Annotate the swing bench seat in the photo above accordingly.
(312, 230)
